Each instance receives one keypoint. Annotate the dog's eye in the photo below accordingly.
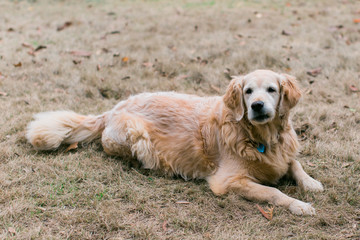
(248, 91)
(271, 90)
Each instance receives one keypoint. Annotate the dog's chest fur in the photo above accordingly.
(266, 169)
(271, 165)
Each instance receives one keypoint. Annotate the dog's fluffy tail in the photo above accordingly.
(50, 129)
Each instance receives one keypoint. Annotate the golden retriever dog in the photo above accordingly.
(237, 142)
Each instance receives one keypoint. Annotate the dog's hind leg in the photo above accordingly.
(126, 135)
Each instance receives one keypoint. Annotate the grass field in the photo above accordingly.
(86, 56)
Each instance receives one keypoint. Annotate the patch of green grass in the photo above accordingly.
(200, 4)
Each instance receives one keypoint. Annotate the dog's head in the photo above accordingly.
(262, 94)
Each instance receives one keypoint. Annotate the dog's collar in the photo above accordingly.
(261, 148)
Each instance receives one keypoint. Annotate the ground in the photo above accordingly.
(101, 51)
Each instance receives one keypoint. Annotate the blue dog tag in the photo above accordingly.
(261, 148)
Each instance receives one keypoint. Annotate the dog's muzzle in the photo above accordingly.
(259, 112)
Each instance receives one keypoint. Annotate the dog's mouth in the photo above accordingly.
(261, 118)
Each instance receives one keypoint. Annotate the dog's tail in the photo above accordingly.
(50, 129)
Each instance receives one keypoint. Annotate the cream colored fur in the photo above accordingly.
(214, 138)
(50, 129)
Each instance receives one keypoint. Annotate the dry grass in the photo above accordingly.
(84, 194)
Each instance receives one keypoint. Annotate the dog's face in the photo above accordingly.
(262, 93)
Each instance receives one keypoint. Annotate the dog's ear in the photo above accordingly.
(290, 93)
(233, 98)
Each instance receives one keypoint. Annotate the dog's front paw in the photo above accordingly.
(301, 208)
(310, 184)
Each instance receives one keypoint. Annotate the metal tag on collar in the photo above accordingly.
(261, 148)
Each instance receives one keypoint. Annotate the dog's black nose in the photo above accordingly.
(257, 106)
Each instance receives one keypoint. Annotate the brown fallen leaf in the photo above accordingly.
(164, 226)
(242, 43)
(267, 214)
(41, 208)
(105, 50)
(215, 88)
(39, 48)
(63, 26)
(239, 36)
(3, 94)
(12, 230)
(345, 165)
(31, 53)
(81, 54)
(227, 73)
(19, 64)
(172, 48)
(304, 128)
(76, 62)
(331, 130)
(335, 28)
(60, 90)
(27, 45)
(288, 69)
(32, 50)
(353, 88)
(310, 164)
(203, 62)
(182, 202)
(147, 64)
(285, 33)
(72, 146)
(181, 77)
(98, 67)
(11, 30)
(125, 59)
(314, 72)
